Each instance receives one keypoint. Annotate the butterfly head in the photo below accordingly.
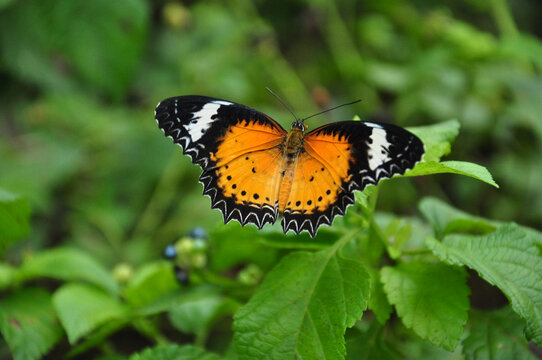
(299, 124)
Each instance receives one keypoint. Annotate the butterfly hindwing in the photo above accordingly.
(340, 158)
(237, 148)
(246, 188)
(316, 196)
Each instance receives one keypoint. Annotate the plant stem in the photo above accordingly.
(503, 18)
(341, 43)
(418, 251)
(147, 329)
(156, 205)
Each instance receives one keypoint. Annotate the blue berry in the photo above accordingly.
(182, 275)
(170, 252)
(198, 233)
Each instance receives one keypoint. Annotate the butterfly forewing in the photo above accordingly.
(237, 148)
(198, 123)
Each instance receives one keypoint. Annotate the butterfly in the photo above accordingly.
(254, 170)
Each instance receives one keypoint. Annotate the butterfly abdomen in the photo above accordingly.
(291, 148)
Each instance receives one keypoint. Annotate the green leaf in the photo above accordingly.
(431, 299)
(67, 264)
(368, 345)
(28, 323)
(325, 238)
(453, 167)
(496, 335)
(397, 234)
(174, 352)
(7, 275)
(378, 302)
(507, 258)
(418, 229)
(164, 303)
(363, 197)
(150, 283)
(437, 138)
(446, 219)
(303, 307)
(14, 218)
(234, 245)
(196, 315)
(82, 308)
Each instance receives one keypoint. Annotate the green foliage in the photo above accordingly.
(39, 37)
(67, 264)
(437, 138)
(14, 218)
(378, 302)
(454, 167)
(369, 344)
(489, 339)
(81, 308)
(149, 283)
(303, 307)
(196, 315)
(81, 278)
(506, 258)
(435, 309)
(28, 323)
(446, 219)
(174, 352)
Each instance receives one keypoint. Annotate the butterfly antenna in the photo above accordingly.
(333, 108)
(283, 103)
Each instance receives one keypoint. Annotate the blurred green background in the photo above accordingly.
(79, 81)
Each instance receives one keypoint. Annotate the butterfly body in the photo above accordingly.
(291, 148)
(254, 170)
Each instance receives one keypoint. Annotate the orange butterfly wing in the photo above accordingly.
(244, 181)
(340, 158)
(237, 148)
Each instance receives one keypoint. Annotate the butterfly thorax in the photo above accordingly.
(291, 148)
(293, 144)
